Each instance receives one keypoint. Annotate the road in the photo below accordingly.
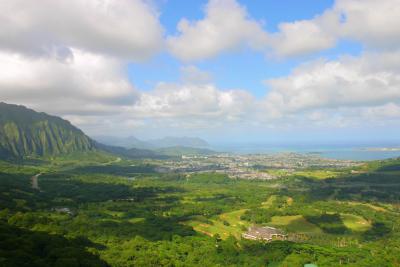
(35, 181)
(113, 161)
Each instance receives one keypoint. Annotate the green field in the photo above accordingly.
(169, 220)
(374, 207)
(318, 174)
(269, 202)
(233, 226)
(355, 223)
(315, 174)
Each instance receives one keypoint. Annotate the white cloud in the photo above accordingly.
(386, 111)
(226, 26)
(174, 108)
(304, 37)
(83, 83)
(69, 58)
(370, 80)
(374, 23)
(128, 29)
(193, 101)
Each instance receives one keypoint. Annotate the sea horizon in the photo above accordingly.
(340, 151)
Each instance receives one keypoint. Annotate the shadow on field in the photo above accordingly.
(114, 169)
(62, 186)
(374, 186)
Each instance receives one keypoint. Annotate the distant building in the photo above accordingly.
(265, 233)
(64, 210)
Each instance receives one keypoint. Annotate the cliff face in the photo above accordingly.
(25, 132)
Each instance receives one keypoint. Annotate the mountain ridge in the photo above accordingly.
(25, 132)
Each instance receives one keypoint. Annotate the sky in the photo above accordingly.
(224, 70)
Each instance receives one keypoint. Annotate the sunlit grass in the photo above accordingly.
(355, 223)
(227, 224)
(318, 174)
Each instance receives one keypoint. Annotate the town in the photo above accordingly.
(254, 166)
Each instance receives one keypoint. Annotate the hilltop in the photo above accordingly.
(25, 132)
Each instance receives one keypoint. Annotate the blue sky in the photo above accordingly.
(272, 12)
(224, 70)
(228, 69)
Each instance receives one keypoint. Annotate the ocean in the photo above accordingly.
(363, 152)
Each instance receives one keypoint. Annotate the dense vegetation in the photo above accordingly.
(20, 247)
(24, 132)
(93, 210)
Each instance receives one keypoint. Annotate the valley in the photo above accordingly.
(67, 200)
(126, 213)
(207, 133)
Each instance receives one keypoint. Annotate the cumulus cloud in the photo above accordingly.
(128, 29)
(84, 83)
(179, 107)
(347, 91)
(193, 101)
(69, 58)
(226, 26)
(304, 37)
(370, 80)
(373, 23)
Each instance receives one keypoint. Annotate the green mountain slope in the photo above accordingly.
(131, 153)
(25, 132)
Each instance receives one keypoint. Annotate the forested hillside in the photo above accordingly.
(104, 211)
(24, 132)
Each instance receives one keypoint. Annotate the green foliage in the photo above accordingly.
(210, 178)
(24, 133)
(259, 215)
(91, 212)
(378, 230)
(19, 247)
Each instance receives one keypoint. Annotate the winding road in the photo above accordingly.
(35, 181)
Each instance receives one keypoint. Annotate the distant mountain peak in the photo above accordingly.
(168, 141)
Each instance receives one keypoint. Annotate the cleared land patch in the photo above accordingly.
(136, 220)
(374, 207)
(355, 223)
(272, 200)
(225, 225)
(269, 202)
(318, 174)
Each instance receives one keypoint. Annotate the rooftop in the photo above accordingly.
(263, 232)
